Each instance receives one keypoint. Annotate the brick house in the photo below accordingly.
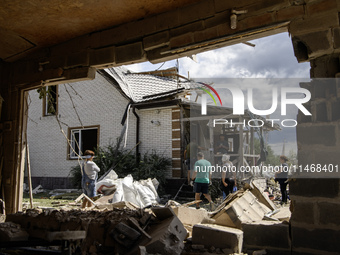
(90, 113)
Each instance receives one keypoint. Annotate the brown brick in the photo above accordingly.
(182, 40)
(176, 153)
(224, 29)
(176, 144)
(336, 37)
(130, 53)
(324, 67)
(176, 115)
(324, 240)
(318, 43)
(176, 163)
(142, 27)
(317, 135)
(176, 134)
(75, 45)
(267, 6)
(314, 188)
(192, 27)
(303, 212)
(290, 13)
(329, 213)
(217, 19)
(336, 110)
(156, 41)
(176, 125)
(314, 23)
(77, 59)
(321, 6)
(255, 21)
(167, 20)
(108, 37)
(264, 234)
(176, 173)
(206, 34)
(321, 112)
(222, 5)
(157, 55)
(200, 10)
(102, 56)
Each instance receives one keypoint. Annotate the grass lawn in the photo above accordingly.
(44, 199)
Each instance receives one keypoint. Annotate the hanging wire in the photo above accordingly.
(160, 66)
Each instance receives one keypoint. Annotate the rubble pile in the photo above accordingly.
(120, 231)
(246, 221)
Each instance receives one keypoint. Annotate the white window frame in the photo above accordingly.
(78, 130)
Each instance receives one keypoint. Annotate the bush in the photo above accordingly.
(151, 165)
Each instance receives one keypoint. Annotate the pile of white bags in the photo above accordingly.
(141, 193)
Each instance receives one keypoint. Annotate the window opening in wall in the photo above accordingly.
(82, 139)
(50, 103)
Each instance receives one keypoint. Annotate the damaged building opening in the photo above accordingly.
(166, 109)
(85, 120)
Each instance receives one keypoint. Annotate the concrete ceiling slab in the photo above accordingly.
(35, 23)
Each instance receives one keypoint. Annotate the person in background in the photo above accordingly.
(89, 171)
(190, 156)
(222, 145)
(228, 180)
(282, 178)
(202, 178)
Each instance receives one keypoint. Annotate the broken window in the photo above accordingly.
(82, 139)
(50, 100)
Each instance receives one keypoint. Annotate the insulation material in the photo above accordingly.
(140, 193)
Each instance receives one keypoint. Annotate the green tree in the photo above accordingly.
(151, 165)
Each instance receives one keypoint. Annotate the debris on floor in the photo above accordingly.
(10, 231)
(130, 221)
(120, 230)
(38, 189)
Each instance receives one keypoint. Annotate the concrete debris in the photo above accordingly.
(261, 196)
(245, 207)
(10, 231)
(38, 189)
(218, 236)
(246, 219)
(260, 252)
(123, 230)
(283, 214)
(272, 235)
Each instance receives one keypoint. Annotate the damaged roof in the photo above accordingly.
(142, 87)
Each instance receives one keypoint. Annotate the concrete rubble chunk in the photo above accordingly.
(190, 215)
(168, 235)
(218, 237)
(262, 197)
(12, 232)
(245, 208)
(270, 235)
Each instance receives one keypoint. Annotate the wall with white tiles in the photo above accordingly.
(97, 103)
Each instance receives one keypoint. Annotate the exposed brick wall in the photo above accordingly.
(315, 225)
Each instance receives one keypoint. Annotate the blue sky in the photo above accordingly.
(272, 57)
